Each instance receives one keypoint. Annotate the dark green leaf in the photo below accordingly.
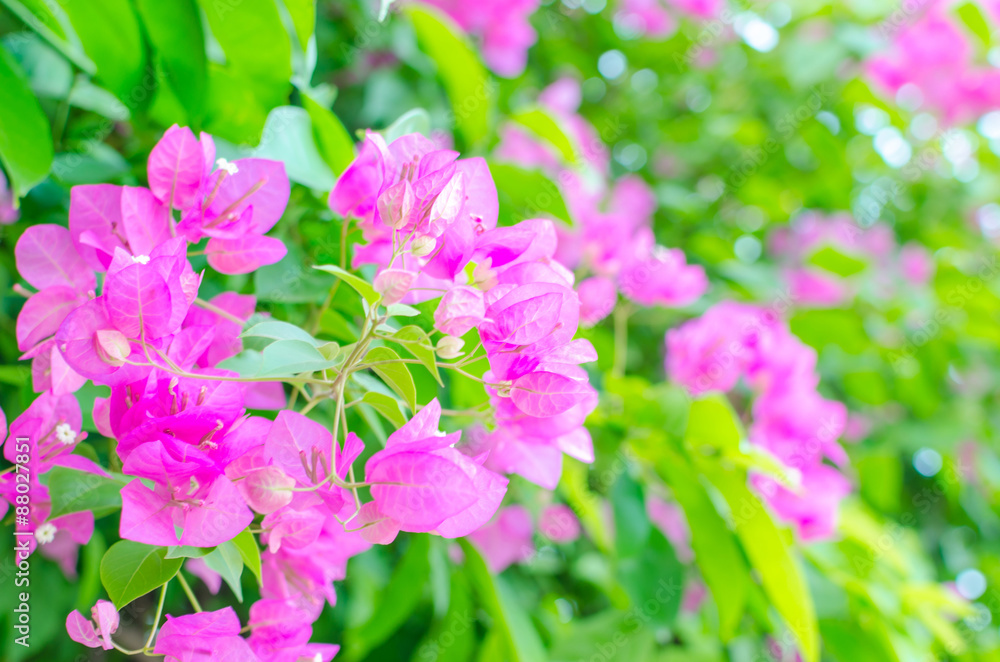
(130, 570)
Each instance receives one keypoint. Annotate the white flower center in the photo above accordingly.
(46, 533)
(140, 259)
(228, 166)
(65, 434)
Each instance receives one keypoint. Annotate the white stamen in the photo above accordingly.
(140, 259)
(46, 533)
(228, 166)
(65, 434)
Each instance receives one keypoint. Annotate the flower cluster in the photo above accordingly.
(932, 60)
(612, 238)
(791, 420)
(801, 244)
(427, 216)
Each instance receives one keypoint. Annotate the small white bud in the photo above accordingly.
(227, 165)
(423, 245)
(450, 347)
(140, 259)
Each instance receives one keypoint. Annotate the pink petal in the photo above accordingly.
(177, 168)
(95, 213)
(145, 220)
(81, 630)
(46, 256)
(243, 255)
(419, 490)
(547, 393)
(42, 314)
(378, 529)
(258, 182)
(139, 301)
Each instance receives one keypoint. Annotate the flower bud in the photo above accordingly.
(112, 346)
(395, 204)
(423, 245)
(450, 347)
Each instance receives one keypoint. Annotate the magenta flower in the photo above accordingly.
(191, 501)
(281, 631)
(419, 482)
(559, 523)
(506, 540)
(203, 637)
(96, 632)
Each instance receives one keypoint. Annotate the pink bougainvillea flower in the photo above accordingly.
(203, 637)
(559, 523)
(811, 287)
(94, 633)
(52, 427)
(598, 297)
(46, 257)
(507, 539)
(177, 168)
(461, 309)
(421, 483)
(813, 507)
(657, 276)
(281, 631)
(190, 503)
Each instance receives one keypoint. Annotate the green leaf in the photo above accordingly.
(386, 406)
(110, 34)
(771, 557)
(75, 491)
(332, 139)
(303, 13)
(228, 562)
(527, 194)
(188, 552)
(973, 19)
(469, 88)
(510, 618)
(654, 578)
(175, 32)
(39, 17)
(130, 570)
(246, 545)
(289, 137)
(415, 120)
(398, 600)
(234, 111)
(542, 124)
(719, 558)
(360, 285)
(292, 357)
(832, 260)
(257, 46)
(452, 639)
(89, 587)
(712, 422)
(25, 136)
(416, 341)
(266, 333)
(632, 526)
(396, 375)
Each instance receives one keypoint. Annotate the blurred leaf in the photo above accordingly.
(453, 638)
(497, 598)
(415, 120)
(654, 578)
(712, 422)
(397, 601)
(772, 559)
(542, 124)
(303, 13)
(130, 570)
(527, 194)
(25, 136)
(973, 19)
(836, 262)
(257, 47)
(110, 34)
(332, 138)
(632, 527)
(470, 90)
(175, 32)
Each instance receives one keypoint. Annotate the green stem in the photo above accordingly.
(159, 612)
(189, 592)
